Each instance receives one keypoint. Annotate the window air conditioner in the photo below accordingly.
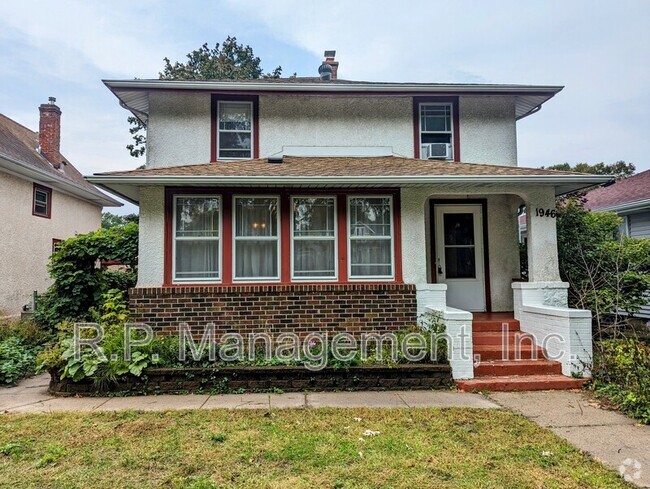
(436, 151)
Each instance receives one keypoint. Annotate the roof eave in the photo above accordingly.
(637, 205)
(21, 169)
(126, 185)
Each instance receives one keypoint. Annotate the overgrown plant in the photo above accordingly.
(81, 275)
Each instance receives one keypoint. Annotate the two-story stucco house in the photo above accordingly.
(43, 200)
(321, 204)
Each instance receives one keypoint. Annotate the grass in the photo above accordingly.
(446, 448)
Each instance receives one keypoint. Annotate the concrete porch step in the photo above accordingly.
(517, 367)
(520, 383)
(485, 326)
(494, 338)
(520, 352)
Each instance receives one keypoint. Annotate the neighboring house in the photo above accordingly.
(319, 204)
(630, 199)
(44, 200)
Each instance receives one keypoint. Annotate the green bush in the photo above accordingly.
(17, 360)
(621, 375)
(80, 278)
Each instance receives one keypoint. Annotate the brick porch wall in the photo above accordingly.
(276, 309)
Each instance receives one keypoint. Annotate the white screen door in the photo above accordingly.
(459, 260)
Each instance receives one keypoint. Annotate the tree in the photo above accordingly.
(110, 220)
(227, 61)
(620, 169)
(606, 272)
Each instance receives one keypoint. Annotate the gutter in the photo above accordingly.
(626, 207)
(62, 184)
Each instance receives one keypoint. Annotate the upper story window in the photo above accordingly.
(197, 238)
(42, 201)
(235, 128)
(436, 128)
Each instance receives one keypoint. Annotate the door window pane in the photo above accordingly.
(459, 229)
(460, 262)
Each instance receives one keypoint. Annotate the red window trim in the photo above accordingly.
(285, 233)
(455, 121)
(48, 191)
(214, 133)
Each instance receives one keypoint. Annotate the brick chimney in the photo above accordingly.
(49, 132)
(329, 59)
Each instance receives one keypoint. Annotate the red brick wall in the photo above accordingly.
(275, 309)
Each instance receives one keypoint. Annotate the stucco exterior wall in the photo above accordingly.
(151, 252)
(178, 131)
(488, 132)
(180, 123)
(301, 120)
(26, 240)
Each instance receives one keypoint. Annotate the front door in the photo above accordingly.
(459, 260)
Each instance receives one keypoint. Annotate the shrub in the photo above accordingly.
(621, 375)
(17, 360)
(80, 278)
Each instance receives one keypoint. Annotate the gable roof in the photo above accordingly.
(386, 171)
(624, 194)
(134, 94)
(19, 154)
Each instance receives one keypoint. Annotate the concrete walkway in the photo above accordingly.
(608, 436)
(31, 397)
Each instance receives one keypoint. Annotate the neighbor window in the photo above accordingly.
(42, 201)
(370, 237)
(436, 124)
(197, 232)
(314, 237)
(235, 130)
(56, 244)
(256, 236)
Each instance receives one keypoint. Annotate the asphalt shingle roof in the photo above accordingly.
(294, 166)
(624, 191)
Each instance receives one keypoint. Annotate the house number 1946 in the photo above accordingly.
(541, 212)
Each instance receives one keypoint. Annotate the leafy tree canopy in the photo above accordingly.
(110, 220)
(227, 61)
(620, 169)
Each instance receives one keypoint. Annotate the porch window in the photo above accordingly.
(256, 236)
(436, 124)
(197, 232)
(235, 137)
(313, 237)
(370, 231)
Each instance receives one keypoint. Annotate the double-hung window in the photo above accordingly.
(370, 231)
(313, 230)
(197, 238)
(42, 201)
(235, 130)
(436, 123)
(256, 238)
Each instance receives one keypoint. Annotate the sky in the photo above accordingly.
(599, 50)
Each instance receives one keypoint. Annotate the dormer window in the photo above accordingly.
(235, 127)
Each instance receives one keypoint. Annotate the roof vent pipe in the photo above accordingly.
(325, 71)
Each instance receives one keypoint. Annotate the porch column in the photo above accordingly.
(542, 236)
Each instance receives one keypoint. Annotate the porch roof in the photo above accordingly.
(378, 171)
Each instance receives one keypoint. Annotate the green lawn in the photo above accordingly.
(416, 448)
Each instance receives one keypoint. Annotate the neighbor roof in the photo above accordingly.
(134, 94)
(625, 194)
(386, 171)
(19, 154)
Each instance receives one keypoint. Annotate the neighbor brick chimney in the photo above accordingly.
(49, 132)
(329, 59)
